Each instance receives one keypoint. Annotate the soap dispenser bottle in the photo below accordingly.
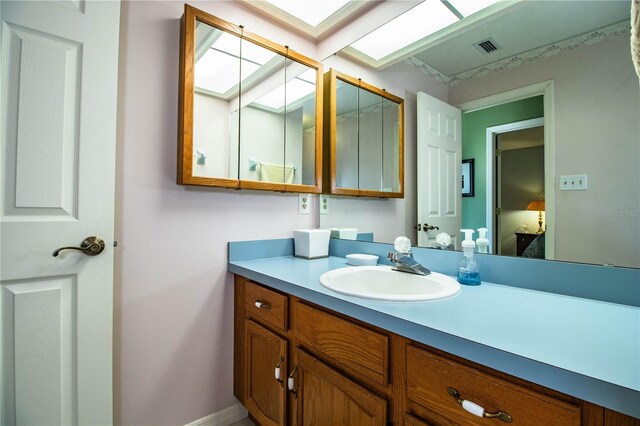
(468, 273)
(482, 242)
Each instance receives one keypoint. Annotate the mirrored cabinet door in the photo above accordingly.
(250, 110)
(363, 139)
(215, 102)
(262, 118)
(345, 153)
(303, 114)
(370, 152)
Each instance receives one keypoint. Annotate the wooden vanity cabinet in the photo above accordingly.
(265, 351)
(346, 372)
(323, 396)
(312, 356)
(431, 395)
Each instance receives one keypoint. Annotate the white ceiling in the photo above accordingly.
(515, 26)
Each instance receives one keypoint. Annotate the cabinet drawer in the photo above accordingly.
(429, 376)
(266, 305)
(350, 346)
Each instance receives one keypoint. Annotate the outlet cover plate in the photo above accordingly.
(304, 203)
(324, 204)
(573, 183)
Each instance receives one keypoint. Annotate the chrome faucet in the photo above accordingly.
(403, 258)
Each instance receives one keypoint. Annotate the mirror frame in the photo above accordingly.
(330, 109)
(186, 98)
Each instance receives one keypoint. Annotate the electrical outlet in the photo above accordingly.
(304, 203)
(324, 204)
(573, 182)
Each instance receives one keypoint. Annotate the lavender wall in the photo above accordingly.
(173, 295)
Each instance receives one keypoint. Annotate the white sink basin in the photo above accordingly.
(382, 283)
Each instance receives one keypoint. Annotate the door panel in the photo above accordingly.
(439, 163)
(42, 375)
(265, 395)
(326, 397)
(57, 163)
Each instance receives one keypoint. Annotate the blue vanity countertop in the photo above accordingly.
(585, 348)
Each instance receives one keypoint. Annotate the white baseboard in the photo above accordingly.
(224, 417)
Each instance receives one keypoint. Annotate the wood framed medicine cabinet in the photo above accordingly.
(364, 139)
(250, 110)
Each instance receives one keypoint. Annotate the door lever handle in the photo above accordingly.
(427, 227)
(91, 246)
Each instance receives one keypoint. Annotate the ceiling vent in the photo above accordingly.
(487, 46)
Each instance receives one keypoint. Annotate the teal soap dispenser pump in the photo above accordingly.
(468, 273)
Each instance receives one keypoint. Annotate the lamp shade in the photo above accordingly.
(537, 205)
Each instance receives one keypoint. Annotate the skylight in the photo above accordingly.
(313, 12)
(469, 7)
(416, 24)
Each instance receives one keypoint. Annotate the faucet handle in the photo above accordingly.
(393, 257)
(402, 245)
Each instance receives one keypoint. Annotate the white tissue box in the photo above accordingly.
(311, 243)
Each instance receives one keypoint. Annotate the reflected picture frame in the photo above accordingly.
(468, 183)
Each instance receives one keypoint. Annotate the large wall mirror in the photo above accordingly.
(593, 123)
(250, 110)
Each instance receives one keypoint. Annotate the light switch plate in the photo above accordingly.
(573, 182)
(324, 204)
(304, 203)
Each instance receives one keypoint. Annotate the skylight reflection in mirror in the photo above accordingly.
(416, 24)
(297, 89)
(212, 68)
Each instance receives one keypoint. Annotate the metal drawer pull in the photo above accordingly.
(262, 305)
(476, 409)
(291, 382)
(277, 372)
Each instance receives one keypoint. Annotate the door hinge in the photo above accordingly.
(497, 211)
(498, 152)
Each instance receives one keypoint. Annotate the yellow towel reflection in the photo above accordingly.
(276, 173)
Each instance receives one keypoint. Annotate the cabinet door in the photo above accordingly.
(324, 396)
(265, 393)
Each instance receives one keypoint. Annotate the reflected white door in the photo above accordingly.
(58, 130)
(439, 164)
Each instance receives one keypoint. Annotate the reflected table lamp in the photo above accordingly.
(537, 205)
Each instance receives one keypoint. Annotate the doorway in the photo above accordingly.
(480, 210)
(519, 180)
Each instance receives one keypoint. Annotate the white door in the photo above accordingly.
(439, 164)
(58, 131)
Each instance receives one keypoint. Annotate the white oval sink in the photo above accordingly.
(382, 283)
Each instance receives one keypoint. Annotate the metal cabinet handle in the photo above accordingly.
(262, 305)
(476, 409)
(291, 382)
(91, 246)
(277, 370)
